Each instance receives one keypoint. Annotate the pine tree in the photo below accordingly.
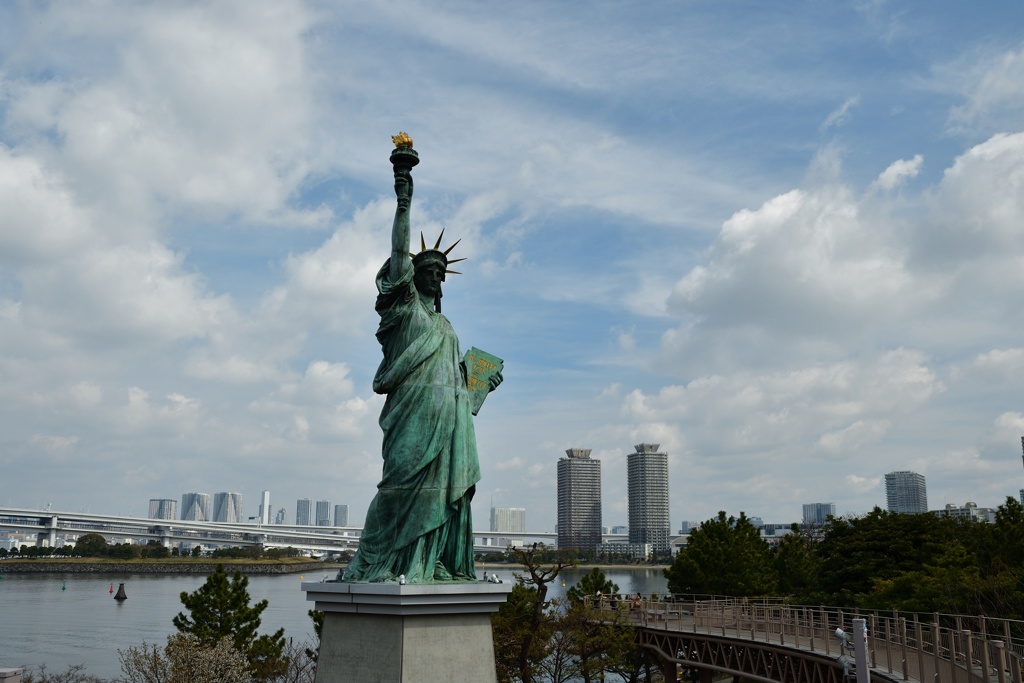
(220, 608)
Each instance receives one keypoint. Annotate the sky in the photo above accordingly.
(783, 240)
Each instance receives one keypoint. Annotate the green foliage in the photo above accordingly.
(796, 565)
(91, 545)
(520, 643)
(725, 556)
(220, 609)
(197, 551)
(590, 585)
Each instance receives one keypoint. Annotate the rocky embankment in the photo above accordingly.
(118, 567)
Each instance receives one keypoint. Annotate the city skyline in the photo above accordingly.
(784, 245)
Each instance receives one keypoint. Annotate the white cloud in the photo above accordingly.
(841, 116)
(898, 172)
(993, 86)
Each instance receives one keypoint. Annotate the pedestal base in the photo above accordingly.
(386, 633)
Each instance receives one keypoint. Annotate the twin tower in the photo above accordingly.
(579, 501)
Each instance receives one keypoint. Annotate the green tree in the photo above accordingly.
(796, 565)
(91, 545)
(523, 626)
(861, 558)
(725, 556)
(220, 608)
(597, 640)
(590, 585)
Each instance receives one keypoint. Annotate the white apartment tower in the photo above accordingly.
(647, 474)
(905, 492)
(817, 513)
(227, 507)
(265, 508)
(579, 500)
(303, 511)
(163, 508)
(195, 507)
(323, 513)
(508, 519)
(341, 515)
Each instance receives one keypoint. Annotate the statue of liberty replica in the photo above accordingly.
(419, 526)
(408, 609)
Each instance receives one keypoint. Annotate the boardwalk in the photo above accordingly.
(767, 640)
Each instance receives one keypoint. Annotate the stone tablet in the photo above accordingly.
(480, 367)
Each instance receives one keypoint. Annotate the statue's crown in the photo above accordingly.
(435, 254)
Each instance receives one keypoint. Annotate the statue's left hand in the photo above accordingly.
(496, 379)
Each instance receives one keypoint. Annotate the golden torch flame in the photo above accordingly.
(402, 140)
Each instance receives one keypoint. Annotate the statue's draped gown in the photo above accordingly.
(419, 524)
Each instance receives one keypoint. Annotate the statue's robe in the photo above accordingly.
(420, 523)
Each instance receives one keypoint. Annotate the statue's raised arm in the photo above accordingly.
(403, 159)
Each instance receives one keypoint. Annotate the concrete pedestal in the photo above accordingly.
(387, 633)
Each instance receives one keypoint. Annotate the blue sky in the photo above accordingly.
(781, 239)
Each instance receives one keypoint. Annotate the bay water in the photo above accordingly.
(59, 620)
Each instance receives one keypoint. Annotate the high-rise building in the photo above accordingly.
(265, 508)
(227, 507)
(905, 492)
(341, 515)
(281, 517)
(163, 508)
(323, 513)
(303, 511)
(817, 513)
(579, 500)
(195, 507)
(647, 475)
(508, 519)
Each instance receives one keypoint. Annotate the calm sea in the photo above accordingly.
(61, 620)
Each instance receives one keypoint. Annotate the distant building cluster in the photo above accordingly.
(201, 507)
(227, 507)
(319, 514)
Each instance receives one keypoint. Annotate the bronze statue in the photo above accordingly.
(419, 525)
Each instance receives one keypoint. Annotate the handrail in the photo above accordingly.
(947, 647)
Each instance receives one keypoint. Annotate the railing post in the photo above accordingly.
(903, 647)
(888, 645)
(968, 652)
(1000, 661)
(873, 633)
(936, 645)
(920, 649)
(827, 635)
(986, 657)
(953, 673)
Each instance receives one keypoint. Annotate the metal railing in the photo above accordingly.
(909, 646)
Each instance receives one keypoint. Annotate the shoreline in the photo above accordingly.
(182, 566)
(206, 566)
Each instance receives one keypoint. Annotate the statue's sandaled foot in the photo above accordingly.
(441, 572)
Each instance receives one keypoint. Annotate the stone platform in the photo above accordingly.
(424, 633)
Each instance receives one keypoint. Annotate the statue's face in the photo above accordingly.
(428, 278)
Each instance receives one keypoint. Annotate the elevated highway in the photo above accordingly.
(48, 525)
